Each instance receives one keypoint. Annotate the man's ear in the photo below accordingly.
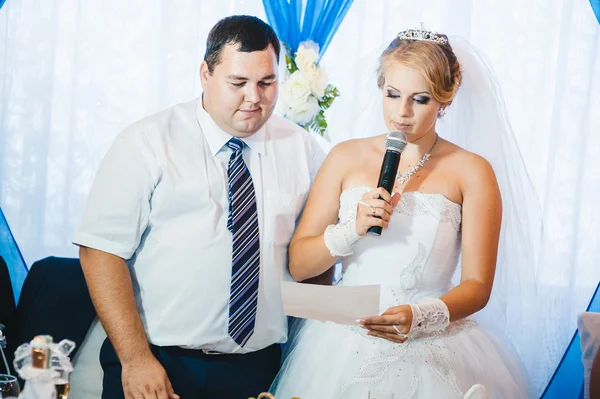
(204, 74)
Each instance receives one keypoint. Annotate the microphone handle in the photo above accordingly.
(387, 178)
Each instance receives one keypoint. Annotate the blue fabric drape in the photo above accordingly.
(12, 256)
(567, 381)
(596, 7)
(318, 21)
(2, 3)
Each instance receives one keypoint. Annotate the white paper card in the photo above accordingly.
(338, 304)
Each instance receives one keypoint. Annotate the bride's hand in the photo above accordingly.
(373, 211)
(393, 325)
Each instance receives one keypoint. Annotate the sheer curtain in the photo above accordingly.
(547, 57)
(73, 73)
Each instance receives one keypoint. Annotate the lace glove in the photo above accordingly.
(430, 316)
(340, 238)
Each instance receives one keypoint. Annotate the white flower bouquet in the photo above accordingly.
(306, 94)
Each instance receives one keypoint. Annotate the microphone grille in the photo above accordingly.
(395, 141)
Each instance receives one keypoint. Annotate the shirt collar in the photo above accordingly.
(217, 138)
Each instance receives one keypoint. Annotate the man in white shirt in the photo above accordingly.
(184, 238)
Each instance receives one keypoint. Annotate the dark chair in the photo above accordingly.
(7, 309)
(54, 301)
(595, 378)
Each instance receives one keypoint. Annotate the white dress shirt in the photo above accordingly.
(160, 201)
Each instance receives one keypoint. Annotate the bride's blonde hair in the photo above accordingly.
(436, 62)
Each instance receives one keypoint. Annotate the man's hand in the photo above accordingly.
(145, 378)
(111, 289)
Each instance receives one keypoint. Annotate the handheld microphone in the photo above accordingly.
(395, 143)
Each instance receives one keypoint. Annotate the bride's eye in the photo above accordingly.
(392, 94)
(422, 100)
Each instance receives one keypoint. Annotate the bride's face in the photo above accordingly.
(408, 105)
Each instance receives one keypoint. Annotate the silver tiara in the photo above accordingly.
(422, 34)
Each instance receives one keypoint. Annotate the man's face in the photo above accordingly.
(241, 92)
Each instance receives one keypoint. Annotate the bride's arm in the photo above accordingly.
(481, 220)
(319, 239)
(308, 255)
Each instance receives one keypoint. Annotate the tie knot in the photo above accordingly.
(235, 144)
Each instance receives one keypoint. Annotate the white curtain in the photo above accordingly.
(73, 73)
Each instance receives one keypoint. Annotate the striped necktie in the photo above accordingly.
(245, 258)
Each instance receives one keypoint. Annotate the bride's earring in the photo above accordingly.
(442, 112)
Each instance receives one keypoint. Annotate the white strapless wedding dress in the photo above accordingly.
(415, 257)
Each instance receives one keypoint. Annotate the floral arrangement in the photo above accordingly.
(306, 94)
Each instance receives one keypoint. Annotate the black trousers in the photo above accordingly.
(196, 375)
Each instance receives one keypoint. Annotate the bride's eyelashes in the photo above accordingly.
(423, 100)
(392, 94)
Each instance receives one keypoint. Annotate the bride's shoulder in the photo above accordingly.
(469, 167)
(461, 157)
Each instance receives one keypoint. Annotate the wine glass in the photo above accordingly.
(62, 385)
(61, 382)
(9, 387)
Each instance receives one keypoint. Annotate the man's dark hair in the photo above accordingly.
(250, 33)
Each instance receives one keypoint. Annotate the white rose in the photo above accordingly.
(296, 101)
(304, 112)
(318, 82)
(306, 58)
(309, 44)
(296, 89)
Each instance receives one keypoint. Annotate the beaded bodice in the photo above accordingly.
(415, 256)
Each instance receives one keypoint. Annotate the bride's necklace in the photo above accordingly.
(401, 178)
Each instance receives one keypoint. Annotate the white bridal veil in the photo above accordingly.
(477, 121)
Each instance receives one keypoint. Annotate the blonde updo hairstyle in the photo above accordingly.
(436, 62)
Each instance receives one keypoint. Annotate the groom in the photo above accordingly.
(184, 237)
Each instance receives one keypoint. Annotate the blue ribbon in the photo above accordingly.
(596, 7)
(321, 20)
(12, 256)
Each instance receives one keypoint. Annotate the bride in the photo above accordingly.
(446, 207)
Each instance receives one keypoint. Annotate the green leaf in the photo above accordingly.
(290, 64)
(331, 92)
(319, 124)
